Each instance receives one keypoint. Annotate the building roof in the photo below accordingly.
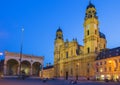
(47, 67)
(108, 53)
(7, 53)
(102, 35)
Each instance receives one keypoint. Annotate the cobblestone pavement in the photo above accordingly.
(52, 82)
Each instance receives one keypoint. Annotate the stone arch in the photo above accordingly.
(12, 67)
(36, 67)
(26, 67)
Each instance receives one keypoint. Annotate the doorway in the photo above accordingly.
(66, 75)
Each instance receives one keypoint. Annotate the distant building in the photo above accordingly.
(1, 66)
(90, 61)
(30, 64)
(48, 72)
(107, 64)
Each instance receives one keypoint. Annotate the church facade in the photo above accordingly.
(74, 61)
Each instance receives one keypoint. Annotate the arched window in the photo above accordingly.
(95, 31)
(88, 50)
(104, 45)
(71, 52)
(105, 69)
(66, 54)
(88, 32)
(96, 49)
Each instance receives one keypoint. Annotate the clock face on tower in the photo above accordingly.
(95, 26)
(88, 26)
(66, 45)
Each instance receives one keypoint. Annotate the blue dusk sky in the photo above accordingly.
(41, 19)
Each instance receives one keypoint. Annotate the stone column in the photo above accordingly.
(41, 71)
(31, 70)
(5, 69)
(18, 71)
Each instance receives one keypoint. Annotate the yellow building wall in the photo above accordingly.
(48, 73)
(108, 68)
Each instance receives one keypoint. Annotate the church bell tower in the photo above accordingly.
(58, 42)
(91, 30)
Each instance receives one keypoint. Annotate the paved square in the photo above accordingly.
(51, 82)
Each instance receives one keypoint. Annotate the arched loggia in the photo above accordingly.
(12, 67)
(36, 68)
(26, 67)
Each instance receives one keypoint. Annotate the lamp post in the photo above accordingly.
(41, 67)
(21, 47)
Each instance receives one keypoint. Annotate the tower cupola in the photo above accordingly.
(90, 11)
(59, 34)
(90, 5)
(59, 30)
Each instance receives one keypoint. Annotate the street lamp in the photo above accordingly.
(21, 47)
(41, 66)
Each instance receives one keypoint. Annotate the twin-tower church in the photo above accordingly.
(72, 60)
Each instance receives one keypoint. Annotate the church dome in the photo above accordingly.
(90, 5)
(102, 35)
(59, 30)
